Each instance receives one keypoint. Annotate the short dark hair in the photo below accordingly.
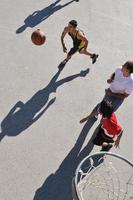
(73, 23)
(129, 66)
(106, 108)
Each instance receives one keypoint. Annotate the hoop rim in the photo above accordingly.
(96, 154)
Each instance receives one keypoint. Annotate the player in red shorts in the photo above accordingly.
(110, 131)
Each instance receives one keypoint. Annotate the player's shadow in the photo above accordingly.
(23, 115)
(40, 15)
(58, 186)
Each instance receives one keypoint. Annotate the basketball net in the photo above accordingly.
(104, 176)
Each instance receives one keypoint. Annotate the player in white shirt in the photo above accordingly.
(121, 86)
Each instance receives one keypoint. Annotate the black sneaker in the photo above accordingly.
(94, 58)
(107, 148)
(77, 0)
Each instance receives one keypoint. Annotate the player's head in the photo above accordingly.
(106, 109)
(73, 23)
(127, 68)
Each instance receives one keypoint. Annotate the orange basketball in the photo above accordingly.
(38, 37)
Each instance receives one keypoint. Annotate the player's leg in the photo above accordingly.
(107, 142)
(69, 55)
(93, 56)
(106, 146)
(66, 59)
(102, 140)
(98, 140)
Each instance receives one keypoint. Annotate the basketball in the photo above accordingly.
(38, 37)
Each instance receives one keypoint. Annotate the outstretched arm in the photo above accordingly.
(84, 119)
(92, 114)
(65, 31)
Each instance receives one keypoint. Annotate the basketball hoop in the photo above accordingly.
(105, 176)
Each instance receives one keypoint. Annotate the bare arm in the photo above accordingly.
(65, 31)
(117, 142)
(111, 78)
(92, 114)
(84, 119)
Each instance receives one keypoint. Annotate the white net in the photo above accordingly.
(104, 177)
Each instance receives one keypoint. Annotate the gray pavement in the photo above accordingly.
(41, 106)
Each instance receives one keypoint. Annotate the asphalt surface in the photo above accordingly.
(41, 136)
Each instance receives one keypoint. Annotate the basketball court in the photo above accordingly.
(42, 141)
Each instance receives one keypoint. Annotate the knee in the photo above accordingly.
(81, 51)
(104, 144)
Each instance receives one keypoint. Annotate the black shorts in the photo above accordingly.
(76, 47)
(101, 137)
(73, 50)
